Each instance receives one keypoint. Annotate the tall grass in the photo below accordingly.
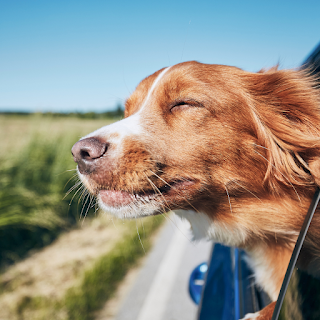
(33, 183)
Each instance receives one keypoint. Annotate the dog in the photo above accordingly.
(237, 152)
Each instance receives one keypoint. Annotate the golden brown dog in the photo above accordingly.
(239, 152)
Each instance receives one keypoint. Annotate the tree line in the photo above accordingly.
(117, 112)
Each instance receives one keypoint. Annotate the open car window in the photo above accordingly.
(299, 297)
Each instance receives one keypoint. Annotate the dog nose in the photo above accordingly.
(86, 151)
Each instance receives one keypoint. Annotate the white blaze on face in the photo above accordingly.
(128, 126)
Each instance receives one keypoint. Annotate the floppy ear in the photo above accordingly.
(285, 106)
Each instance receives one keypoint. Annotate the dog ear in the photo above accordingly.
(285, 106)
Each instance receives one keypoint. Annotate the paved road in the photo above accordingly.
(160, 291)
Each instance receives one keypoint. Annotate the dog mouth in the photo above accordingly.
(168, 193)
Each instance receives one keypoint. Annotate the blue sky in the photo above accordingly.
(88, 55)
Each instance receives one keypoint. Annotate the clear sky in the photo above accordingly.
(74, 55)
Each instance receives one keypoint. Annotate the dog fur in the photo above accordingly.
(239, 152)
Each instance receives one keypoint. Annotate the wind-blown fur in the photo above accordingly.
(238, 151)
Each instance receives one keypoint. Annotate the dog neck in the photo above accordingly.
(203, 227)
(269, 263)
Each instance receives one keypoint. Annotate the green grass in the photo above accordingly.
(34, 178)
(32, 186)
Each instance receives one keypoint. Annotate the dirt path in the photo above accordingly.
(51, 271)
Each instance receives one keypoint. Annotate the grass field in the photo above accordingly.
(18, 131)
(54, 267)
(35, 172)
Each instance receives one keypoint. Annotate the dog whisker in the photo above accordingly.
(71, 189)
(79, 189)
(140, 237)
(160, 178)
(234, 181)
(228, 199)
(88, 207)
(154, 187)
(177, 191)
(86, 197)
(184, 179)
(69, 170)
(83, 194)
(74, 176)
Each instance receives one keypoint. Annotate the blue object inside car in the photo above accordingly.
(225, 289)
(196, 281)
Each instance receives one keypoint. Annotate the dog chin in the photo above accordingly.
(135, 209)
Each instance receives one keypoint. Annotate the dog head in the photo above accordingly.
(211, 139)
